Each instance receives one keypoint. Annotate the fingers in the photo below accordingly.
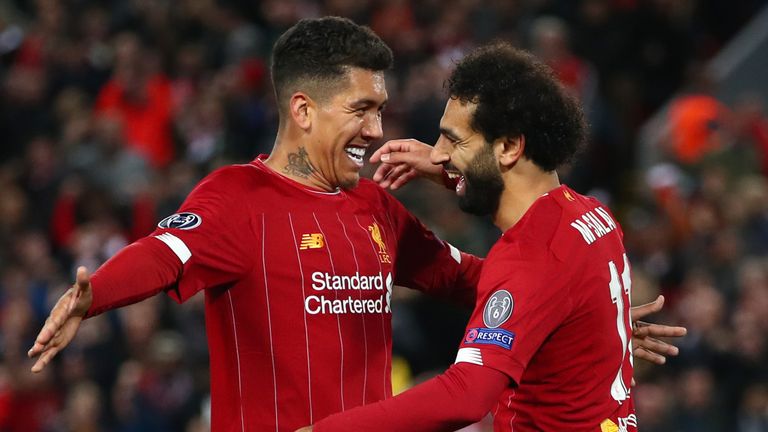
(382, 172)
(46, 351)
(389, 147)
(643, 329)
(409, 158)
(404, 178)
(44, 359)
(650, 356)
(394, 176)
(638, 312)
(54, 322)
(658, 346)
(385, 148)
(83, 278)
(59, 327)
(44, 338)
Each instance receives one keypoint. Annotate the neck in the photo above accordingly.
(521, 190)
(289, 158)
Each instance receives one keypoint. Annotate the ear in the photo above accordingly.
(510, 150)
(301, 109)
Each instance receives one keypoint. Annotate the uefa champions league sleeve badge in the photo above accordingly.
(184, 221)
(498, 309)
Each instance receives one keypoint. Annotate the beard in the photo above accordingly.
(483, 184)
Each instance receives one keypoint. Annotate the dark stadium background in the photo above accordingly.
(675, 92)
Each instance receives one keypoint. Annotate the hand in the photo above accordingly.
(63, 322)
(305, 429)
(644, 342)
(402, 161)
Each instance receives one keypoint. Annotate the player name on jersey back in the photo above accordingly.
(594, 224)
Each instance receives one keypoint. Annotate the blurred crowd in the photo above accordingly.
(112, 110)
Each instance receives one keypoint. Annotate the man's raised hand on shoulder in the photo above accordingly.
(63, 322)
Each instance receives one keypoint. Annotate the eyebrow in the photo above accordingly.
(449, 133)
(368, 103)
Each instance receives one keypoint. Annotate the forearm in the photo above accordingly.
(138, 271)
(461, 396)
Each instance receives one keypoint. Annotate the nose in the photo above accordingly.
(440, 153)
(372, 129)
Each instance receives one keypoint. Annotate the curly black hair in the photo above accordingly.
(315, 54)
(516, 95)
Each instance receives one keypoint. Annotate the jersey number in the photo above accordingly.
(621, 287)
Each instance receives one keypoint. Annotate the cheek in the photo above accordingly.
(349, 129)
(461, 159)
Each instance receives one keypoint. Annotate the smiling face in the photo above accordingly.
(345, 126)
(467, 155)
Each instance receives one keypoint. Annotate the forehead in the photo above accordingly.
(364, 84)
(458, 115)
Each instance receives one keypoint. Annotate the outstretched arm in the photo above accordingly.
(140, 270)
(463, 395)
(644, 343)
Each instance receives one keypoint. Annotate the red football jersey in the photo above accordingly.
(552, 313)
(298, 291)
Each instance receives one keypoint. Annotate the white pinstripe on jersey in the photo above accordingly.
(269, 315)
(338, 320)
(362, 316)
(383, 324)
(306, 333)
(237, 356)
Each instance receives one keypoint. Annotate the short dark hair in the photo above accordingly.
(516, 95)
(315, 54)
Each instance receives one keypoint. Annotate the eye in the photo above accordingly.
(451, 140)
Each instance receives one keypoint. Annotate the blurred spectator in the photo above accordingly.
(139, 98)
(695, 121)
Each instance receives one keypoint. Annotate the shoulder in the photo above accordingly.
(233, 178)
(546, 228)
(532, 236)
(369, 191)
(229, 187)
(368, 187)
(585, 221)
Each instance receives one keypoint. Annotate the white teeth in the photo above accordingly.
(355, 153)
(460, 184)
(453, 175)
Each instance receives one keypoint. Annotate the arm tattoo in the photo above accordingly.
(299, 164)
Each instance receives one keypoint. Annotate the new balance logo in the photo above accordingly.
(311, 241)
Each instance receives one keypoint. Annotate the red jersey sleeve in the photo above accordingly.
(429, 264)
(462, 395)
(211, 233)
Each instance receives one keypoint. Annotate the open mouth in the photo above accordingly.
(455, 177)
(356, 154)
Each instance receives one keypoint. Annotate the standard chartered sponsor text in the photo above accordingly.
(338, 303)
